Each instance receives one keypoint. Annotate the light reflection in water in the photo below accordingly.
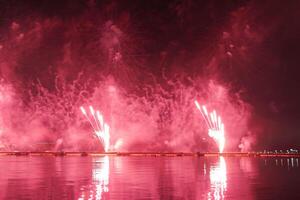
(292, 162)
(148, 178)
(218, 180)
(100, 178)
(289, 162)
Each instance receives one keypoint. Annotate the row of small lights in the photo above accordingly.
(281, 151)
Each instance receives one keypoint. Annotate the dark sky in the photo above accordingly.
(250, 46)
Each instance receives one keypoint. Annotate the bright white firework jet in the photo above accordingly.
(100, 128)
(214, 125)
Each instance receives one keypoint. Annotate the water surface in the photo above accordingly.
(48, 177)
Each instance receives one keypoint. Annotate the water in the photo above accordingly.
(47, 177)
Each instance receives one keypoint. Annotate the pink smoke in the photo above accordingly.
(95, 64)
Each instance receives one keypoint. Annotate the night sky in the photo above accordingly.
(249, 47)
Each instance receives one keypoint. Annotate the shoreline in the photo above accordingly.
(150, 154)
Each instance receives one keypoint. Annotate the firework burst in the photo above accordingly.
(100, 128)
(214, 124)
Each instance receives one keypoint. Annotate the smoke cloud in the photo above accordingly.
(142, 69)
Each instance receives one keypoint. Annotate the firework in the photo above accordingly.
(100, 128)
(214, 125)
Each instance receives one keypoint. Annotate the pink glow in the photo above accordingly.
(141, 124)
(109, 71)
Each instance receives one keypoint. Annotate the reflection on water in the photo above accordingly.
(218, 180)
(47, 177)
(100, 174)
(288, 162)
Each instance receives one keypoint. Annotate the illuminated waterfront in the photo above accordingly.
(127, 177)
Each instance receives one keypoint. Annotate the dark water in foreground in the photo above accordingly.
(148, 178)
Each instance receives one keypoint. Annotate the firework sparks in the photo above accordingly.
(214, 124)
(100, 128)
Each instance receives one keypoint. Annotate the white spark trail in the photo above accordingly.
(100, 128)
(214, 124)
